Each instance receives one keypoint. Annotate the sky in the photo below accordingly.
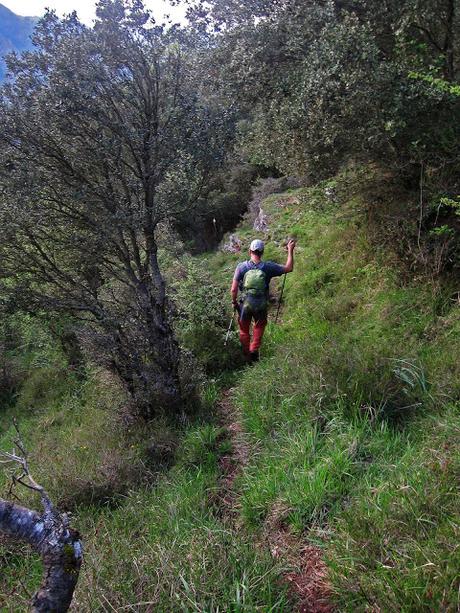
(84, 8)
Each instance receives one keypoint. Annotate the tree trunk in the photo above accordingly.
(146, 356)
(163, 386)
(449, 43)
(164, 352)
(60, 549)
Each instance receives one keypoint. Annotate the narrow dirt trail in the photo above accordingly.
(234, 462)
(308, 579)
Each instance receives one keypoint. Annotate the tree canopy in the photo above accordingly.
(105, 140)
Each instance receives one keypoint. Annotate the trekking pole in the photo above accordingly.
(229, 329)
(280, 299)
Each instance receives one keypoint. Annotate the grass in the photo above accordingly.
(77, 428)
(186, 557)
(166, 547)
(356, 389)
(353, 418)
(153, 531)
(397, 542)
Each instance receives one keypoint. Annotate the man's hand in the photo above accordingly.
(289, 266)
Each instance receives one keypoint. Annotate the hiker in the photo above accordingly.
(252, 278)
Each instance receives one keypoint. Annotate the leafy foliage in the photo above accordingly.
(119, 138)
(351, 417)
(320, 85)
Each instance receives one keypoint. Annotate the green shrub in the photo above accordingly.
(203, 315)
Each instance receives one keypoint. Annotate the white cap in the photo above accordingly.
(257, 245)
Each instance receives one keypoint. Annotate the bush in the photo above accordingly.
(202, 317)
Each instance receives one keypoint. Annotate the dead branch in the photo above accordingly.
(49, 534)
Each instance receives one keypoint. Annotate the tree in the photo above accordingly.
(435, 27)
(318, 83)
(105, 140)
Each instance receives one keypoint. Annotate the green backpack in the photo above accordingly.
(254, 283)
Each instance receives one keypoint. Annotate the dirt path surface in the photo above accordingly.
(234, 462)
(307, 578)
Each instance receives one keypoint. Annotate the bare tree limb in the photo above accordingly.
(49, 534)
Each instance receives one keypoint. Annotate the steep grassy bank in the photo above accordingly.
(352, 415)
(354, 412)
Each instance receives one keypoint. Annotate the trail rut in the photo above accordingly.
(307, 577)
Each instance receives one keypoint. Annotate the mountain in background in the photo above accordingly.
(15, 34)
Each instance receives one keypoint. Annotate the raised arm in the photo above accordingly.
(289, 266)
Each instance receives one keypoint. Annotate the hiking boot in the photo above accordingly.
(254, 356)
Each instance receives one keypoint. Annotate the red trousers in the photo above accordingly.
(257, 333)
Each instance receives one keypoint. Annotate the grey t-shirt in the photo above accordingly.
(271, 269)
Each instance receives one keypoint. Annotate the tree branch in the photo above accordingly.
(49, 534)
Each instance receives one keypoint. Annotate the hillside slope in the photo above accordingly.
(351, 421)
(354, 411)
(15, 34)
